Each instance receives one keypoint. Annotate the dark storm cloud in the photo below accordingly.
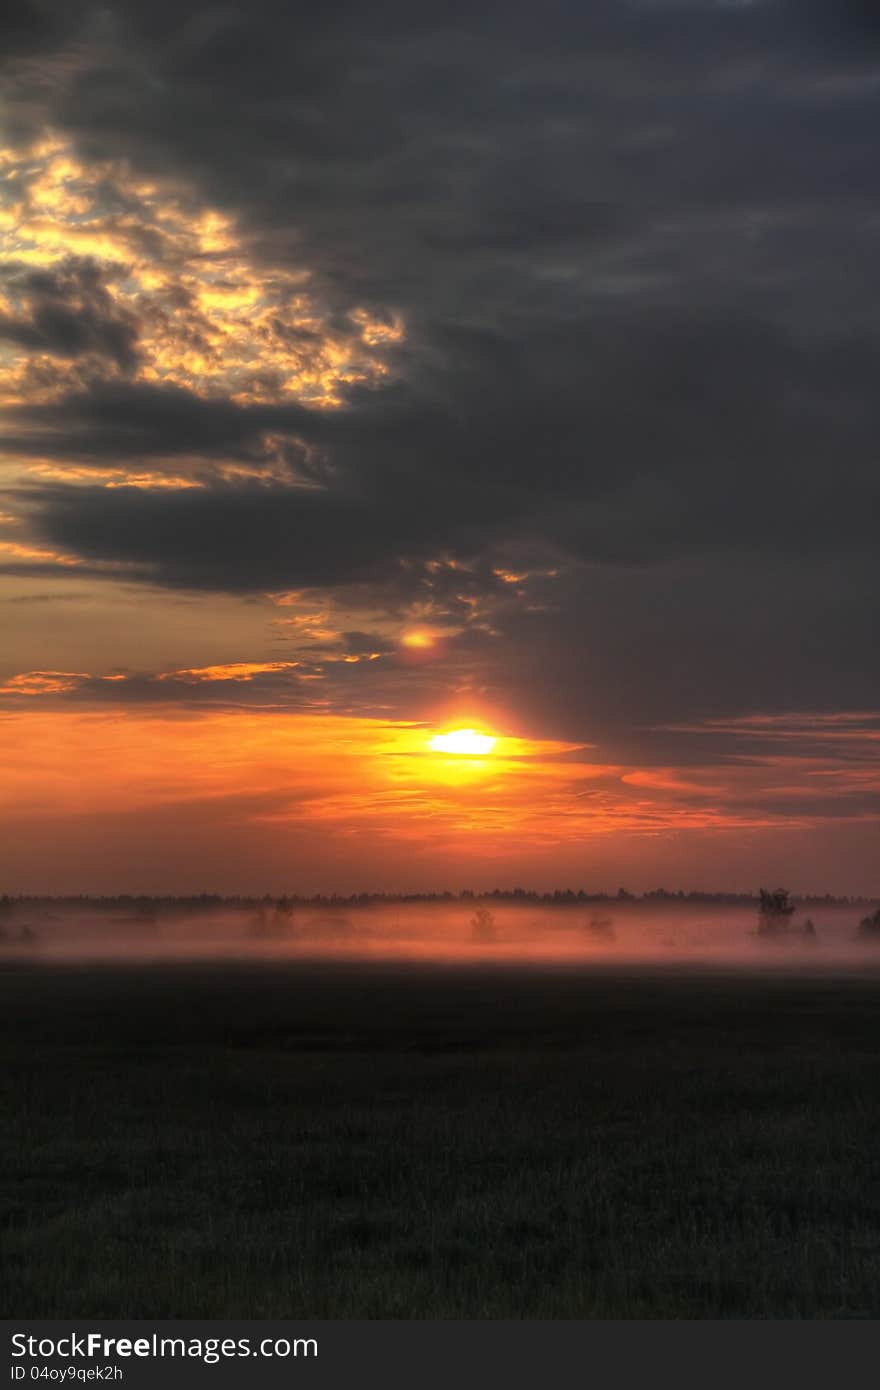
(693, 439)
(118, 421)
(689, 639)
(29, 27)
(68, 312)
(854, 23)
(633, 247)
(251, 537)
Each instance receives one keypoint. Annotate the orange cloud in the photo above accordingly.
(230, 671)
(341, 771)
(355, 791)
(48, 471)
(356, 775)
(36, 554)
(43, 682)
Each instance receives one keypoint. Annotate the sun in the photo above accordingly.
(466, 741)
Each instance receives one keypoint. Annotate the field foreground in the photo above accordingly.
(351, 1140)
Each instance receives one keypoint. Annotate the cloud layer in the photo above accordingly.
(548, 331)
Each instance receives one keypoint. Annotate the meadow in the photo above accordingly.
(367, 1139)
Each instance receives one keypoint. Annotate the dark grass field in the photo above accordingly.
(389, 1142)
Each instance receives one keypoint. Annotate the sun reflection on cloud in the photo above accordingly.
(418, 640)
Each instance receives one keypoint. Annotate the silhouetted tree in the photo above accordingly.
(282, 918)
(483, 925)
(774, 912)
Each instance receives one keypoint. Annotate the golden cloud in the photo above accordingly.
(230, 671)
(209, 316)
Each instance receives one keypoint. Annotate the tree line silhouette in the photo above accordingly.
(187, 904)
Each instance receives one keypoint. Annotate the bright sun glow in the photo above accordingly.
(463, 741)
(418, 640)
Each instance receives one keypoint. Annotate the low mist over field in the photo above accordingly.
(513, 928)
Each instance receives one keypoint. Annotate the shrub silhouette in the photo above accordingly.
(869, 928)
(601, 927)
(483, 925)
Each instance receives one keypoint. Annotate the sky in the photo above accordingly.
(374, 370)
